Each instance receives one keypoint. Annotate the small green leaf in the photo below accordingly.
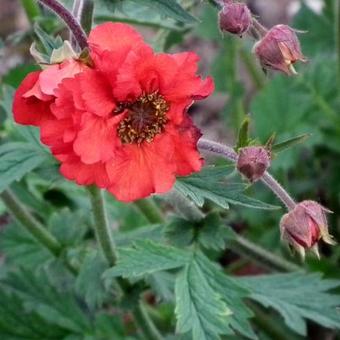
(243, 134)
(147, 257)
(290, 143)
(297, 296)
(48, 41)
(16, 160)
(89, 283)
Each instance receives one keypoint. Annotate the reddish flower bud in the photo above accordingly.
(279, 49)
(253, 161)
(305, 225)
(235, 18)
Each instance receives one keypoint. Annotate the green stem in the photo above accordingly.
(31, 8)
(108, 248)
(24, 217)
(101, 226)
(264, 258)
(337, 36)
(252, 69)
(144, 322)
(150, 210)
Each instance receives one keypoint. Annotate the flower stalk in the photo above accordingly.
(24, 217)
(150, 210)
(229, 153)
(69, 20)
(101, 225)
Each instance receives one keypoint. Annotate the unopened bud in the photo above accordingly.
(253, 161)
(279, 49)
(235, 18)
(304, 226)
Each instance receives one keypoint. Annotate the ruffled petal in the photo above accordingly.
(52, 76)
(96, 93)
(96, 139)
(30, 111)
(114, 37)
(84, 174)
(139, 171)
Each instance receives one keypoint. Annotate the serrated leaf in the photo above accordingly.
(167, 8)
(16, 160)
(56, 305)
(147, 257)
(209, 303)
(199, 308)
(297, 296)
(22, 249)
(211, 184)
(290, 143)
(89, 283)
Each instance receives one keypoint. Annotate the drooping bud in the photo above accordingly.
(304, 226)
(235, 18)
(253, 161)
(279, 49)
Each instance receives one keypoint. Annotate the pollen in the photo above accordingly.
(146, 118)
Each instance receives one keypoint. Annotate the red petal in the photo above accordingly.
(29, 111)
(114, 37)
(96, 139)
(142, 170)
(96, 93)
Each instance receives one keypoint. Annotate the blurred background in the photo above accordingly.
(289, 107)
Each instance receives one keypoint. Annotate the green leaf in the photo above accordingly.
(49, 42)
(289, 143)
(19, 322)
(243, 134)
(68, 227)
(211, 183)
(89, 283)
(147, 257)
(21, 249)
(198, 307)
(297, 296)
(16, 160)
(209, 303)
(208, 232)
(56, 305)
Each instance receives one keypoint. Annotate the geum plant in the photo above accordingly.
(115, 116)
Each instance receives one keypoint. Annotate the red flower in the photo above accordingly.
(123, 124)
(34, 96)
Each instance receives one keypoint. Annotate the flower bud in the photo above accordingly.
(279, 49)
(305, 225)
(235, 18)
(253, 161)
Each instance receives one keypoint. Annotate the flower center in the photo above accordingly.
(146, 118)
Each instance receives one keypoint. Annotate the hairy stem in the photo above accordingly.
(101, 225)
(144, 322)
(229, 153)
(150, 210)
(24, 217)
(69, 20)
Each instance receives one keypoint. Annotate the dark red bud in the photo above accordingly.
(235, 18)
(253, 161)
(279, 49)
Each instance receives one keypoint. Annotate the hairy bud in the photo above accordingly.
(279, 49)
(305, 225)
(235, 18)
(253, 161)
